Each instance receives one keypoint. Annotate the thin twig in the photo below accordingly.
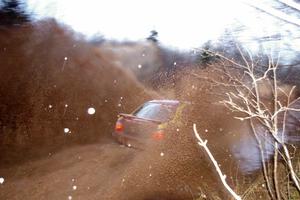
(222, 176)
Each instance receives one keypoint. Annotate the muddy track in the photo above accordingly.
(80, 172)
(104, 171)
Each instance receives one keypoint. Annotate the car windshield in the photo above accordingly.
(155, 111)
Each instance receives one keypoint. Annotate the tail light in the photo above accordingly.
(158, 135)
(119, 127)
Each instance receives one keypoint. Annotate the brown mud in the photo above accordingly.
(50, 77)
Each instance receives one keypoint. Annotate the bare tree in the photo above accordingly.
(13, 13)
(246, 98)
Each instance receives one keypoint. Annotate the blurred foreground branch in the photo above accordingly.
(222, 176)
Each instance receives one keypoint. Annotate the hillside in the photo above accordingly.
(49, 78)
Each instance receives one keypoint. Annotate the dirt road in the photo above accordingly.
(99, 171)
(109, 171)
(102, 171)
(78, 173)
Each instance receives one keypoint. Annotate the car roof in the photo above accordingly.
(165, 101)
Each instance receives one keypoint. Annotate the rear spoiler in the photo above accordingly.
(130, 116)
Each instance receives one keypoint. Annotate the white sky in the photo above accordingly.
(182, 24)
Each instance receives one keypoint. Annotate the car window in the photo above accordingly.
(156, 111)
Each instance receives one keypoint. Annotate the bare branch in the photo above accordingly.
(292, 4)
(222, 176)
(247, 101)
(273, 12)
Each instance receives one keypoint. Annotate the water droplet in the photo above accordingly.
(206, 130)
(74, 187)
(50, 106)
(66, 105)
(162, 154)
(66, 58)
(91, 111)
(70, 197)
(66, 130)
(1, 180)
(139, 66)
